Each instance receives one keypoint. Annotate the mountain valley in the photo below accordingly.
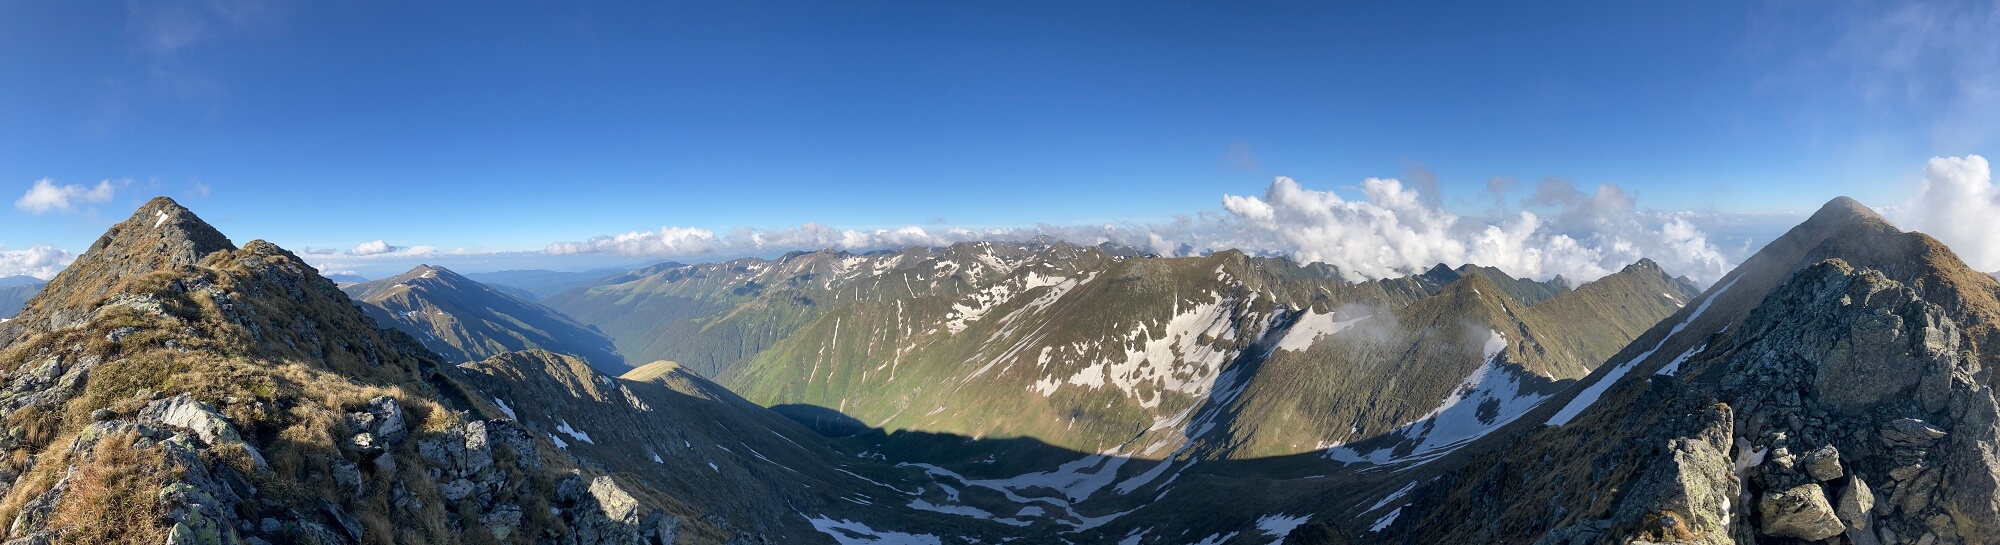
(1832, 387)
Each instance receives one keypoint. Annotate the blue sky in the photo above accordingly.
(330, 125)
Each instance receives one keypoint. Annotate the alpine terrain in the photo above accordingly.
(1835, 388)
(170, 386)
(465, 320)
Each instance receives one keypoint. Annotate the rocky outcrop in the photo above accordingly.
(186, 413)
(1801, 511)
(1861, 407)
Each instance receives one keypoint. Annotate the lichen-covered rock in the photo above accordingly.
(502, 521)
(1687, 499)
(1972, 464)
(1800, 512)
(185, 412)
(382, 420)
(35, 514)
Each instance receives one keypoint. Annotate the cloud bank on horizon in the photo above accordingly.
(1393, 229)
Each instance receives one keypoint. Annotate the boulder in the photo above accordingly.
(616, 503)
(1856, 500)
(1801, 512)
(1824, 464)
(185, 412)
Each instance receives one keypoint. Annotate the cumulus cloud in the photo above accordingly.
(373, 248)
(1957, 203)
(40, 262)
(1392, 231)
(45, 195)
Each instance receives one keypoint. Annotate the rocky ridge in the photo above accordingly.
(467, 321)
(173, 388)
(1832, 389)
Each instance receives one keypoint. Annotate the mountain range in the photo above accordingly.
(173, 386)
(464, 320)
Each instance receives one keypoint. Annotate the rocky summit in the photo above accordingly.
(1833, 389)
(173, 387)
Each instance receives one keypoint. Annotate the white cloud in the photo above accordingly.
(1394, 230)
(373, 248)
(40, 262)
(1958, 204)
(668, 241)
(45, 196)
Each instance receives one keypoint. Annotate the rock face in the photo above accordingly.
(1850, 358)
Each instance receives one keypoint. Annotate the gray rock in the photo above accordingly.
(456, 490)
(1801, 512)
(1912, 432)
(1914, 495)
(1824, 464)
(1971, 487)
(198, 529)
(347, 522)
(502, 522)
(662, 528)
(385, 464)
(615, 502)
(383, 419)
(389, 419)
(34, 515)
(186, 413)
(316, 533)
(347, 477)
(36, 538)
(1856, 501)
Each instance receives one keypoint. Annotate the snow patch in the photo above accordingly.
(1277, 526)
(847, 532)
(1489, 398)
(1312, 327)
(1385, 521)
(1673, 367)
(1588, 396)
(505, 409)
(563, 426)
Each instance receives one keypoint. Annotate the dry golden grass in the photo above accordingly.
(111, 497)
